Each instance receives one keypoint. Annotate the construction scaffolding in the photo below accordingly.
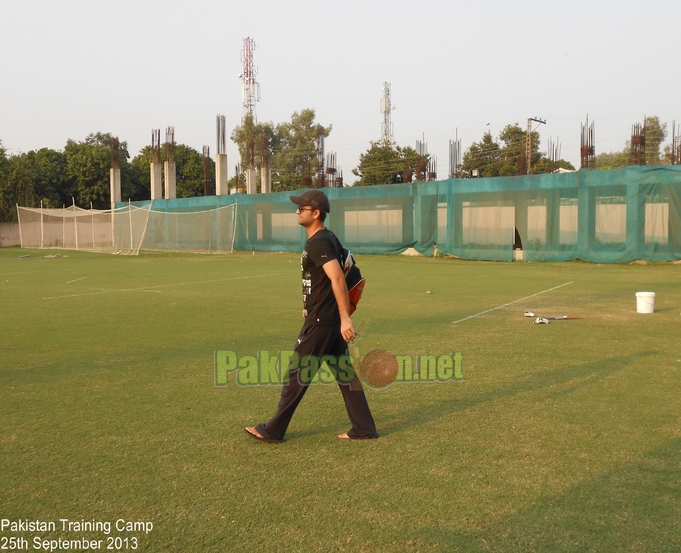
(587, 146)
(455, 157)
(319, 147)
(331, 171)
(637, 153)
(552, 156)
(421, 168)
(155, 145)
(675, 150)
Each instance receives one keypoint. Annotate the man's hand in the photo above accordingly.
(304, 313)
(347, 329)
(340, 291)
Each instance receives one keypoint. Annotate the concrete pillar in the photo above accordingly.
(169, 167)
(251, 183)
(156, 181)
(265, 180)
(115, 185)
(221, 186)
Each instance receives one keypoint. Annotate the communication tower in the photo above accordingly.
(250, 89)
(386, 109)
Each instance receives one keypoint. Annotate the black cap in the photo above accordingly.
(314, 198)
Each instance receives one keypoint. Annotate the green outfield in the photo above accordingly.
(559, 438)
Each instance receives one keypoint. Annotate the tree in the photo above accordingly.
(88, 164)
(131, 188)
(48, 170)
(263, 138)
(31, 178)
(5, 199)
(384, 164)
(16, 185)
(189, 171)
(296, 142)
(485, 156)
(655, 134)
(515, 148)
(4, 163)
(542, 166)
(501, 157)
(87, 170)
(140, 173)
(290, 145)
(612, 160)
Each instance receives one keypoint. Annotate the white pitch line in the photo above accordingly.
(26, 272)
(103, 290)
(151, 288)
(512, 302)
(70, 281)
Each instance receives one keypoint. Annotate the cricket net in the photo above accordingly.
(127, 229)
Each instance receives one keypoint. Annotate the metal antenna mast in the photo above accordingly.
(250, 89)
(386, 108)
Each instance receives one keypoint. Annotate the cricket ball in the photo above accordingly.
(379, 368)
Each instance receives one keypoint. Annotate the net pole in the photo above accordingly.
(93, 226)
(130, 217)
(63, 228)
(216, 225)
(21, 236)
(144, 231)
(75, 221)
(234, 210)
(42, 225)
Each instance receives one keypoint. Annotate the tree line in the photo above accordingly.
(80, 172)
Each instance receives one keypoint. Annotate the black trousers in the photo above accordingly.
(319, 341)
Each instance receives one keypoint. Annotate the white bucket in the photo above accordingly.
(645, 302)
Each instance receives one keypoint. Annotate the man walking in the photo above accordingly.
(327, 327)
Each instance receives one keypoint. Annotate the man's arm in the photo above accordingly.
(340, 291)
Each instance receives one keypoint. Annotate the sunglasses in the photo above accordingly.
(302, 208)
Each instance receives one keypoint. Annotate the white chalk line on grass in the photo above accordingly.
(152, 288)
(76, 280)
(48, 271)
(105, 290)
(512, 302)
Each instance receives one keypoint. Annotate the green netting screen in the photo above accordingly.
(600, 216)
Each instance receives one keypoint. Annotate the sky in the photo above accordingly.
(73, 67)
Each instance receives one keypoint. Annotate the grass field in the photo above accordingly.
(562, 437)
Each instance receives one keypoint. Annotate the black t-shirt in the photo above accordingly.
(318, 298)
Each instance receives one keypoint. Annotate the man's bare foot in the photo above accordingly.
(345, 436)
(253, 432)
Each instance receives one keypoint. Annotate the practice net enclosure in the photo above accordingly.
(127, 229)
